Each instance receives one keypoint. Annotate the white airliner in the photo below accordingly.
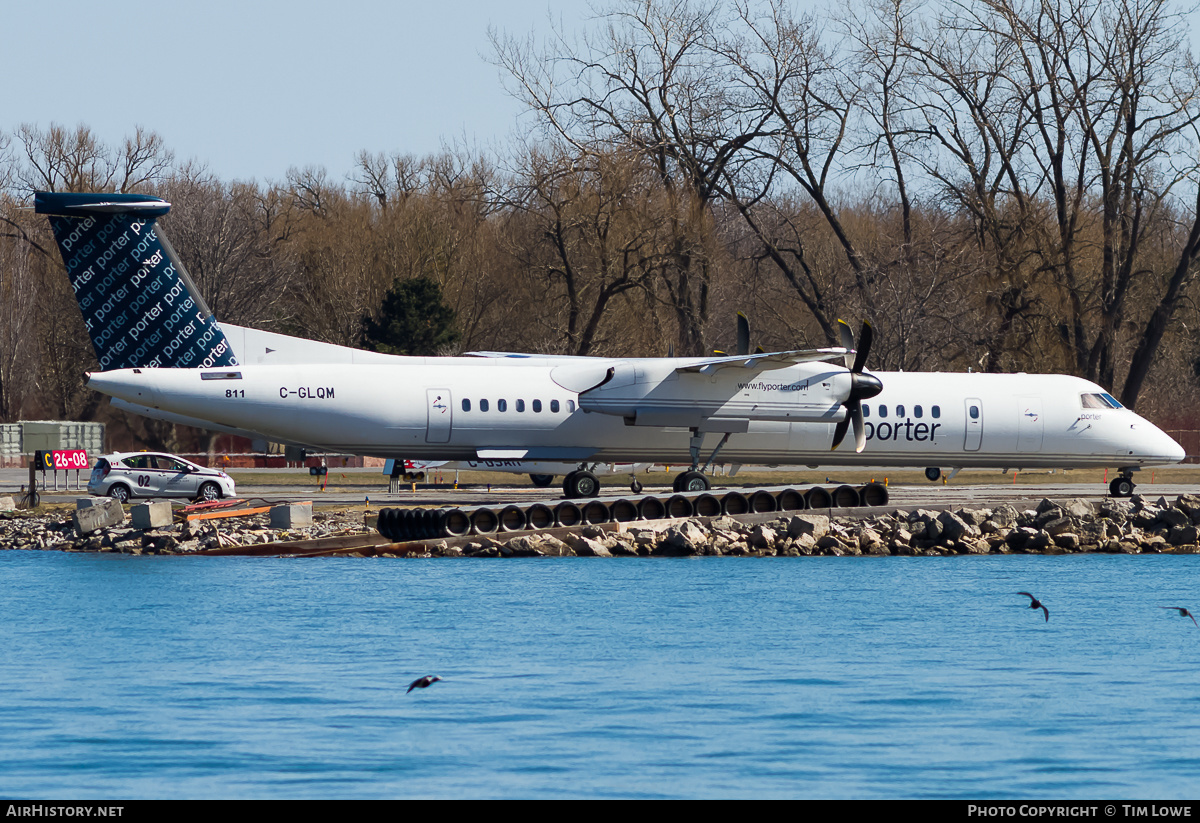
(541, 472)
(784, 408)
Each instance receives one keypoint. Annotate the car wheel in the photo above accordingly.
(209, 492)
(119, 491)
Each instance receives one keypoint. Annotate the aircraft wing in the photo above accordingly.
(526, 355)
(757, 362)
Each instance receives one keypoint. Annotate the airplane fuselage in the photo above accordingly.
(471, 408)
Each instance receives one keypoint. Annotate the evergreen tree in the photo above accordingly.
(413, 320)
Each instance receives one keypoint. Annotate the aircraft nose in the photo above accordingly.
(1161, 447)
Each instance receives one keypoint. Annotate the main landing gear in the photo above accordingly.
(583, 483)
(933, 474)
(691, 481)
(1122, 486)
(694, 480)
(580, 484)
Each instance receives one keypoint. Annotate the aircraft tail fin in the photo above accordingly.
(140, 307)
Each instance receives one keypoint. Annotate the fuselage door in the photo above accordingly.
(974, 424)
(439, 415)
(1029, 424)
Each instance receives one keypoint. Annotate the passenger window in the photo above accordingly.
(974, 412)
(520, 405)
(936, 411)
(466, 404)
(899, 411)
(502, 405)
(883, 411)
(537, 406)
(570, 405)
(554, 406)
(917, 412)
(866, 410)
(483, 405)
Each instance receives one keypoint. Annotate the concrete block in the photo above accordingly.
(85, 502)
(7, 504)
(291, 516)
(100, 513)
(151, 515)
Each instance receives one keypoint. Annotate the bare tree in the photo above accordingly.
(1067, 129)
(650, 81)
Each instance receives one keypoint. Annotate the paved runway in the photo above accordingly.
(357, 485)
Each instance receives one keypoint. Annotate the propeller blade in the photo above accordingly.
(847, 341)
(860, 430)
(864, 346)
(839, 432)
(743, 334)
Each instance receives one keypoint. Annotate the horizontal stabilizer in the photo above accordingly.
(72, 204)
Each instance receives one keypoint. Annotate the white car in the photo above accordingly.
(152, 474)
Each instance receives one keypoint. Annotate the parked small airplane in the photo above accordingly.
(541, 473)
(781, 408)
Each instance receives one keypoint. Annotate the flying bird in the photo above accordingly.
(1036, 604)
(423, 682)
(1182, 613)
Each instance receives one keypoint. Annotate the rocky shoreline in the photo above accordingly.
(56, 532)
(1133, 526)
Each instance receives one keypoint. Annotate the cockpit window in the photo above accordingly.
(1098, 400)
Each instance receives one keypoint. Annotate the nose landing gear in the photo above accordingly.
(1121, 486)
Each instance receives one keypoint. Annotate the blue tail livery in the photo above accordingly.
(138, 303)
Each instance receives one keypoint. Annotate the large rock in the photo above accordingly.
(153, 515)
(99, 513)
(683, 540)
(955, 528)
(1004, 516)
(291, 516)
(815, 526)
(762, 537)
(1078, 508)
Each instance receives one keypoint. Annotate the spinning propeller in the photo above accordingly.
(862, 386)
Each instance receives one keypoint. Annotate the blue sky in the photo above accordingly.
(251, 88)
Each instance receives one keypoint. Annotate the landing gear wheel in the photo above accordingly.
(1121, 487)
(542, 480)
(933, 474)
(691, 481)
(635, 487)
(581, 484)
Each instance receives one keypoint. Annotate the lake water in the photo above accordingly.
(178, 677)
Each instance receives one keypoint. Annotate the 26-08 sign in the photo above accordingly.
(65, 459)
